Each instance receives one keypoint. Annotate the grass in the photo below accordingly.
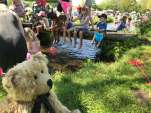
(106, 88)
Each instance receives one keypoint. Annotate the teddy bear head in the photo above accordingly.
(27, 80)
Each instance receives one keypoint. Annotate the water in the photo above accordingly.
(88, 51)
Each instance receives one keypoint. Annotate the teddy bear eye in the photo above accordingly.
(35, 77)
(42, 71)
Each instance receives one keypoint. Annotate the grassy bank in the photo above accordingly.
(107, 88)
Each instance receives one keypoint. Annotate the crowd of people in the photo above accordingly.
(44, 18)
(63, 23)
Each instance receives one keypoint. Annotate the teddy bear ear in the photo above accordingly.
(40, 57)
(15, 81)
(10, 80)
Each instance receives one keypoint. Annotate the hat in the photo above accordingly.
(41, 13)
(102, 15)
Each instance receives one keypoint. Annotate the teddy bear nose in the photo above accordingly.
(49, 83)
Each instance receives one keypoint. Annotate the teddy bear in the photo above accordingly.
(28, 87)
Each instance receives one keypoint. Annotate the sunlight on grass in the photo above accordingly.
(101, 88)
(105, 88)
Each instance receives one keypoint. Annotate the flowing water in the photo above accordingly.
(88, 51)
(71, 58)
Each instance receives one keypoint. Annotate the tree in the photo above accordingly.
(145, 4)
(108, 4)
(122, 5)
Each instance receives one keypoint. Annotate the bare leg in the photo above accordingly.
(93, 40)
(54, 38)
(69, 35)
(99, 43)
(81, 39)
(64, 34)
(57, 36)
(75, 38)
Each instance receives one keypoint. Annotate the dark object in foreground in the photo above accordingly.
(13, 47)
(42, 99)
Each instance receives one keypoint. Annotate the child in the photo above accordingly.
(42, 23)
(61, 25)
(68, 28)
(54, 28)
(33, 44)
(129, 24)
(88, 4)
(83, 27)
(101, 28)
(122, 24)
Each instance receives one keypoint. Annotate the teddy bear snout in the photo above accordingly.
(49, 83)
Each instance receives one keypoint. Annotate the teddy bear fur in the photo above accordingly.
(24, 82)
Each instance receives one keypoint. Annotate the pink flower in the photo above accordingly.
(52, 51)
(148, 83)
(136, 63)
(1, 72)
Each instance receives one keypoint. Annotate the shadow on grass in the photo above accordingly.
(69, 93)
(112, 50)
(145, 41)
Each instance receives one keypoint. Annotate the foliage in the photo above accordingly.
(95, 20)
(104, 88)
(45, 38)
(145, 27)
(108, 4)
(121, 5)
(114, 50)
(110, 19)
(145, 4)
